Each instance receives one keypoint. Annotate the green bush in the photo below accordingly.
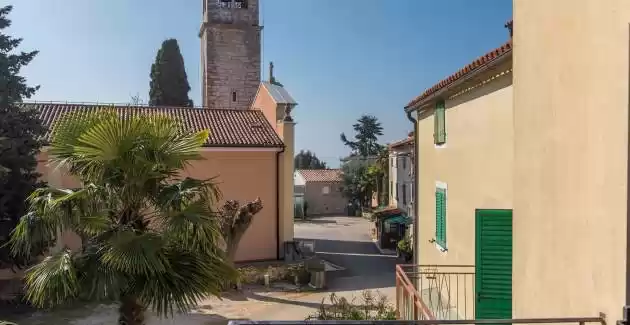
(369, 307)
(404, 245)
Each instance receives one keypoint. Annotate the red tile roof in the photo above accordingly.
(228, 127)
(484, 60)
(321, 175)
(402, 142)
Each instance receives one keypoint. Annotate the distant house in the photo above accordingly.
(322, 190)
(401, 184)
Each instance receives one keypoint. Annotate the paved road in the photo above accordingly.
(345, 241)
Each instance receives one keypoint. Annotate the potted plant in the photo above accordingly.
(404, 249)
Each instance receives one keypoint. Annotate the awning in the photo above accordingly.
(399, 219)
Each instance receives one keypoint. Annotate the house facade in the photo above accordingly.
(523, 181)
(401, 181)
(322, 191)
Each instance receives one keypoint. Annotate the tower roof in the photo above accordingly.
(278, 93)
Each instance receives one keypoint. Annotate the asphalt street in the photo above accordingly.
(345, 241)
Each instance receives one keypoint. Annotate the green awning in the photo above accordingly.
(399, 219)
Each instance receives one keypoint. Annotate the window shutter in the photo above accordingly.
(440, 217)
(440, 123)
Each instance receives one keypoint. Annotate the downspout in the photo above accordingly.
(278, 203)
(416, 210)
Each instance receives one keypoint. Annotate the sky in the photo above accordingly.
(338, 59)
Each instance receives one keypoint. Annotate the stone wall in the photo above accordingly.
(231, 54)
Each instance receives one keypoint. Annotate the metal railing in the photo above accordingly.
(436, 292)
(569, 320)
(444, 294)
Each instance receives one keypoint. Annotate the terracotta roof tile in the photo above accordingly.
(321, 175)
(402, 142)
(474, 65)
(228, 127)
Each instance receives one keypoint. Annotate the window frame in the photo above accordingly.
(326, 190)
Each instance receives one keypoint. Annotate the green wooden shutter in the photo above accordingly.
(439, 123)
(493, 264)
(440, 217)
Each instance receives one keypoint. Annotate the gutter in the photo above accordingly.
(278, 203)
(416, 210)
(440, 93)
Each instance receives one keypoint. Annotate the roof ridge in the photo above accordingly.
(96, 104)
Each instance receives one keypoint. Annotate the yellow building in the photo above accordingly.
(523, 176)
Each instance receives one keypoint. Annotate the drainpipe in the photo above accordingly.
(416, 210)
(278, 203)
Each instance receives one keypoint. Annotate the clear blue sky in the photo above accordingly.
(339, 59)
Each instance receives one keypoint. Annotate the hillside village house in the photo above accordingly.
(322, 190)
(523, 183)
(401, 174)
(251, 145)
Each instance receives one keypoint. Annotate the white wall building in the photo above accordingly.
(401, 184)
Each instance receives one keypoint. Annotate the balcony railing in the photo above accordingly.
(435, 292)
(445, 294)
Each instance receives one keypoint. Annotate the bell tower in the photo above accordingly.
(230, 53)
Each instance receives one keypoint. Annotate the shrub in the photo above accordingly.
(370, 307)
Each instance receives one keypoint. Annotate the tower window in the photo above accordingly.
(233, 4)
(233, 96)
(240, 4)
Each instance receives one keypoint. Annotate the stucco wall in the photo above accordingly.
(241, 175)
(475, 164)
(571, 128)
(319, 203)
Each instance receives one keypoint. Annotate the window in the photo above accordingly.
(440, 216)
(404, 193)
(391, 188)
(233, 96)
(326, 190)
(404, 162)
(439, 134)
(233, 4)
(396, 192)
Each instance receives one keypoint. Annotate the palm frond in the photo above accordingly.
(53, 281)
(99, 282)
(191, 278)
(135, 254)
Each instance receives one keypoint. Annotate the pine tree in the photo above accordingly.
(169, 83)
(20, 131)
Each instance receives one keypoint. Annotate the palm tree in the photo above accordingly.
(150, 239)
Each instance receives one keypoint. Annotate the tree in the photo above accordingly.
(359, 181)
(21, 131)
(308, 160)
(367, 130)
(382, 165)
(235, 219)
(169, 82)
(150, 239)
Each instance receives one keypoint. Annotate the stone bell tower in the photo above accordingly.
(230, 53)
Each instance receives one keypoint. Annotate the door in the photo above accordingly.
(493, 264)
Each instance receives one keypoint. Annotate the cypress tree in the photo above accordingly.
(169, 83)
(21, 132)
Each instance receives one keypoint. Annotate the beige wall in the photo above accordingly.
(242, 176)
(571, 128)
(475, 164)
